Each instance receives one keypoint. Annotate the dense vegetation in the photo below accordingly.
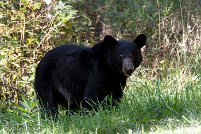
(164, 93)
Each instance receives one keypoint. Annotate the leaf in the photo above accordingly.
(25, 78)
(25, 2)
(37, 6)
(64, 20)
(23, 109)
(25, 103)
(33, 104)
(29, 41)
(21, 15)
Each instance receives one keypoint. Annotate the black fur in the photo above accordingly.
(74, 76)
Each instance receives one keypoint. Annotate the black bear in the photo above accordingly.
(75, 76)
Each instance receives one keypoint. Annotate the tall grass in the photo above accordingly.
(172, 104)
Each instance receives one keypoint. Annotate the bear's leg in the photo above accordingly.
(48, 101)
(117, 95)
(92, 97)
(95, 91)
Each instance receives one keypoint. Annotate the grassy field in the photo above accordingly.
(170, 105)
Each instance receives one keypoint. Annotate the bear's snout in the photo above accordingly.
(127, 67)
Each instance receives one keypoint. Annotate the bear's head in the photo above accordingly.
(125, 56)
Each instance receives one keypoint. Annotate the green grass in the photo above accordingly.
(168, 105)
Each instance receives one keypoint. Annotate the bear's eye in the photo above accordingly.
(132, 56)
(121, 57)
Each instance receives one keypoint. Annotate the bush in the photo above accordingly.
(28, 30)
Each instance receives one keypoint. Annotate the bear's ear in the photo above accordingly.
(109, 40)
(140, 40)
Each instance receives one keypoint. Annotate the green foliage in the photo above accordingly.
(26, 108)
(28, 30)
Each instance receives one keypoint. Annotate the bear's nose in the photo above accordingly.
(130, 71)
(128, 67)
